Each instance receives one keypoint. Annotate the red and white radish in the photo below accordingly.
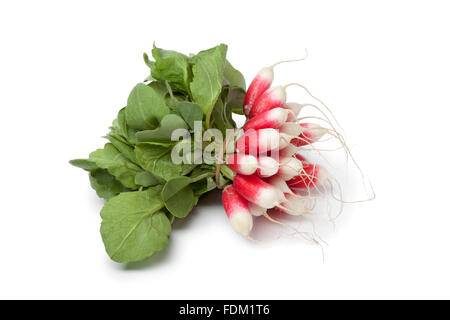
(267, 167)
(312, 176)
(256, 211)
(262, 81)
(310, 133)
(289, 168)
(295, 110)
(270, 99)
(279, 183)
(237, 210)
(295, 205)
(242, 163)
(261, 141)
(260, 84)
(257, 191)
(273, 118)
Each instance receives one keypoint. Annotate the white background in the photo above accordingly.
(66, 68)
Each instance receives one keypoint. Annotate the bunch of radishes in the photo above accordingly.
(270, 174)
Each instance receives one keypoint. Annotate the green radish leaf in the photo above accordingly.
(221, 117)
(163, 133)
(207, 72)
(105, 185)
(217, 116)
(111, 159)
(147, 60)
(145, 108)
(235, 99)
(85, 164)
(228, 116)
(146, 179)
(178, 196)
(171, 66)
(157, 160)
(133, 226)
(126, 150)
(160, 87)
(171, 217)
(122, 123)
(189, 111)
(203, 186)
(233, 77)
(237, 110)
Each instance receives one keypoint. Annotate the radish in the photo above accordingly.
(237, 210)
(295, 205)
(289, 151)
(312, 175)
(276, 97)
(242, 163)
(292, 128)
(302, 159)
(310, 133)
(267, 166)
(270, 99)
(261, 141)
(295, 110)
(256, 210)
(279, 183)
(262, 81)
(257, 191)
(274, 118)
(290, 168)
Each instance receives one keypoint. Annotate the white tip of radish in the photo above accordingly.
(269, 139)
(317, 131)
(292, 129)
(285, 139)
(289, 151)
(256, 210)
(280, 184)
(290, 168)
(294, 107)
(267, 166)
(267, 74)
(248, 164)
(269, 198)
(242, 222)
(279, 114)
(278, 93)
(295, 205)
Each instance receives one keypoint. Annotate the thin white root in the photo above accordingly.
(305, 235)
(293, 60)
(315, 98)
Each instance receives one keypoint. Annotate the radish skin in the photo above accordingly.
(267, 167)
(262, 81)
(242, 163)
(258, 192)
(295, 110)
(261, 141)
(237, 210)
(274, 118)
(256, 210)
(310, 133)
(259, 85)
(294, 205)
(270, 99)
(313, 175)
(289, 168)
(279, 183)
